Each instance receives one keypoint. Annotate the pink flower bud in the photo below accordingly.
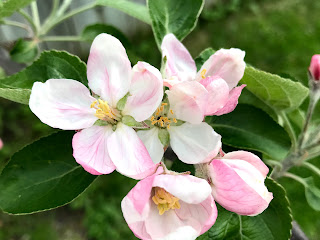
(238, 183)
(165, 206)
(1, 144)
(314, 68)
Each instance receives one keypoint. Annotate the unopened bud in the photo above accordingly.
(1, 143)
(314, 68)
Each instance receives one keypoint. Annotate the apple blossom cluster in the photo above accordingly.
(127, 122)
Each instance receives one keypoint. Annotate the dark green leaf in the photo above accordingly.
(178, 17)
(50, 65)
(8, 7)
(91, 31)
(248, 127)
(24, 51)
(133, 9)
(42, 176)
(312, 194)
(273, 224)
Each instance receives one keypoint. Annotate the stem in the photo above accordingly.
(47, 27)
(35, 15)
(312, 104)
(16, 24)
(290, 129)
(295, 177)
(312, 168)
(28, 18)
(60, 38)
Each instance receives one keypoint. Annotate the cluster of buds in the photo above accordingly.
(129, 121)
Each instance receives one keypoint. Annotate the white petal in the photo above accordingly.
(227, 64)
(152, 142)
(108, 69)
(179, 61)
(62, 103)
(194, 143)
(146, 92)
(129, 154)
(90, 149)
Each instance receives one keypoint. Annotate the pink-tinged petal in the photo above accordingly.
(188, 101)
(212, 211)
(190, 189)
(179, 61)
(194, 143)
(62, 103)
(146, 92)
(225, 63)
(238, 187)
(1, 144)
(250, 158)
(169, 226)
(108, 69)
(218, 93)
(200, 216)
(152, 142)
(232, 101)
(90, 149)
(129, 154)
(170, 82)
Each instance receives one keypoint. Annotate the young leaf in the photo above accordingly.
(312, 194)
(203, 56)
(250, 128)
(91, 31)
(178, 17)
(50, 65)
(279, 93)
(24, 51)
(135, 10)
(273, 224)
(42, 176)
(8, 7)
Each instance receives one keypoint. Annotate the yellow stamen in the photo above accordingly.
(203, 73)
(171, 111)
(164, 104)
(154, 122)
(103, 111)
(165, 201)
(175, 120)
(168, 126)
(152, 118)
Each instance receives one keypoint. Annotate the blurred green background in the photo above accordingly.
(279, 36)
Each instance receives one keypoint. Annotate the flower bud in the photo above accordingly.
(314, 68)
(1, 144)
(238, 183)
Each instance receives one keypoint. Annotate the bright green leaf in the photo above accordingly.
(50, 65)
(273, 224)
(24, 51)
(133, 9)
(42, 176)
(178, 17)
(91, 31)
(279, 93)
(250, 128)
(8, 7)
(131, 122)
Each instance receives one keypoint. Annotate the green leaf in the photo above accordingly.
(279, 93)
(91, 31)
(24, 51)
(178, 17)
(8, 7)
(135, 10)
(181, 167)
(312, 193)
(250, 128)
(50, 65)
(273, 224)
(131, 122)
(42, 176)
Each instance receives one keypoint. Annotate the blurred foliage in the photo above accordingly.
(279, 36)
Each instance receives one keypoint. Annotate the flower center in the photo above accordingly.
(203, 73)
(104, 112)
(165, 201)
(160, 119)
